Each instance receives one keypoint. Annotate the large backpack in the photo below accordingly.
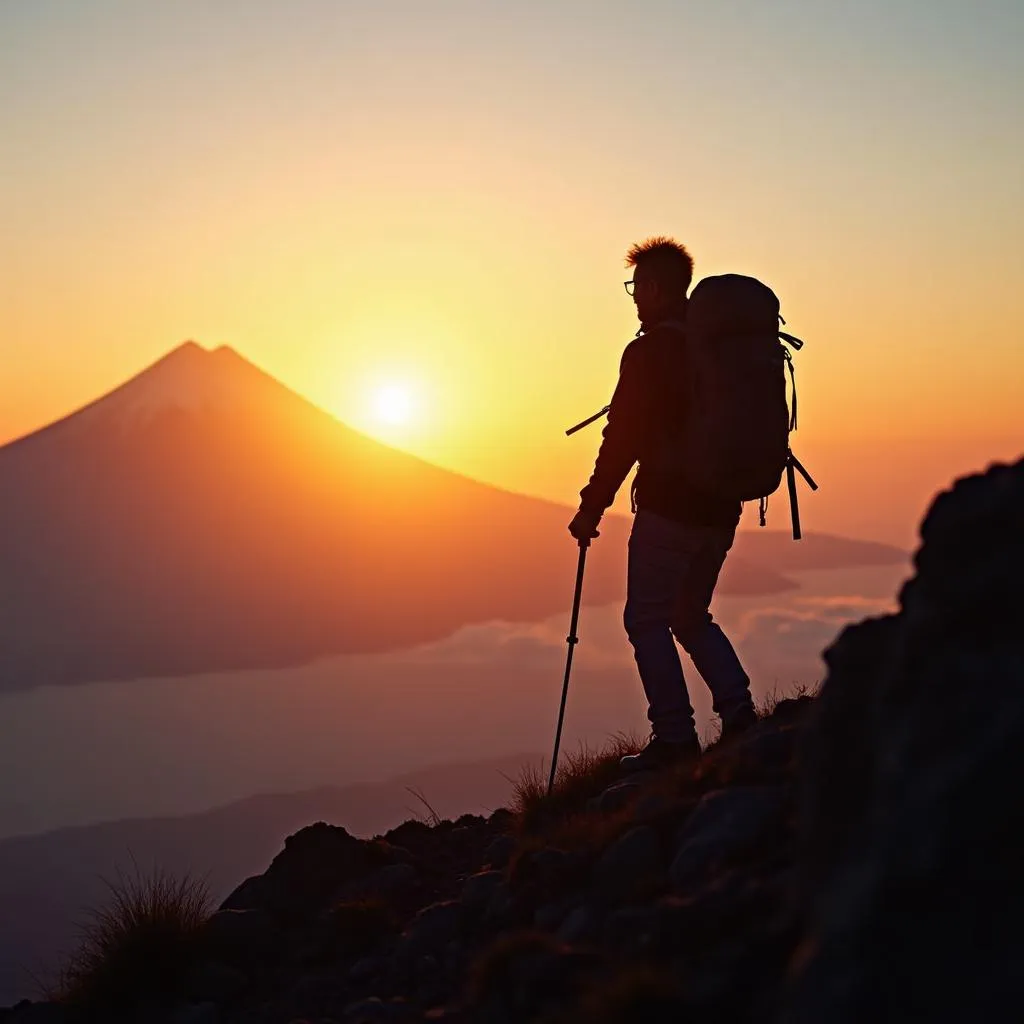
(733, 438)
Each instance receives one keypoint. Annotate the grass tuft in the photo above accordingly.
(582, 774)
(139, 946)
(770, 700)
(428, 815)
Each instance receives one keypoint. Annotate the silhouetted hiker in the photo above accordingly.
(680, 535)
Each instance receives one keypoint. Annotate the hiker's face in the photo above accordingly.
(649, 295)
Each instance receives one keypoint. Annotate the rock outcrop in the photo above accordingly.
(913, 815)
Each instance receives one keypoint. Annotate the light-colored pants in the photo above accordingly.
(673, 569)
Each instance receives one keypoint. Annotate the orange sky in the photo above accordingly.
(353, 199)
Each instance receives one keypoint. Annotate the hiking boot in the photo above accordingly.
(660, 754)
(738, 723)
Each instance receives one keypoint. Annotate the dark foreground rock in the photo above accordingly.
(912, 787)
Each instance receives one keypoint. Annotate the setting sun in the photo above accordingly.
(393, 404)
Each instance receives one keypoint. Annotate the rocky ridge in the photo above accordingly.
(854, 856)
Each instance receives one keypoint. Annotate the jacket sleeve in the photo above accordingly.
(620, 442)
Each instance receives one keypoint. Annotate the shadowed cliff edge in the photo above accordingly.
(853, 857)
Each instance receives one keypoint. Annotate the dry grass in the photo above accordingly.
(139, 946)
(767, 704)
(582, 774)
(428, 815)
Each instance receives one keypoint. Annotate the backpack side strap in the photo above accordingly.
(793, 466)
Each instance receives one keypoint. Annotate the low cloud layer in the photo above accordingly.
(179, 745)
(783, 643)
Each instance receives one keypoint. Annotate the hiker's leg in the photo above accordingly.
(657, 562)
(702, 638)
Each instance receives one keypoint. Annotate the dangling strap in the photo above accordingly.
(794, 505)
(792, 378)
(632, 496)
(793, 467)
(762, 511)
(803, 472)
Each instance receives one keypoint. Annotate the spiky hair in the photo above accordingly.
(667, 258)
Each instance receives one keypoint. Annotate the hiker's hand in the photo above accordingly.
(584, 525)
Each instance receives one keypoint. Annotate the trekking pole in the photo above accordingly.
(572, 639)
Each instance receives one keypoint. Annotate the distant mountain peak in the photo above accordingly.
(189, 377)
(187, 352)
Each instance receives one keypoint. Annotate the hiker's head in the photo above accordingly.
(662, 271)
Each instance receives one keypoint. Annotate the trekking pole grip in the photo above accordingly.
(572, 638)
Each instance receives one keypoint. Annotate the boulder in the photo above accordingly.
(313, 866)
(548, 916)
(726, 823)
(391, 882)
(522, 977)
(632, 864)
(614, 798)
(633, 931)
(366, 969)
(433, 927)
(499, 851)
(242, 937)
(478, 891)
(580, 924)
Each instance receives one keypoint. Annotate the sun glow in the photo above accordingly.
(393, 404)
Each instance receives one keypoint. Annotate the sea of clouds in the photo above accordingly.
(169, 746)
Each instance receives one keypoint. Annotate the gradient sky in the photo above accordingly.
(441, 193)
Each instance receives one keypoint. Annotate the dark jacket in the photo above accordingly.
(648, 399)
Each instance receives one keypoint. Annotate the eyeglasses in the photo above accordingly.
(631, 286)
